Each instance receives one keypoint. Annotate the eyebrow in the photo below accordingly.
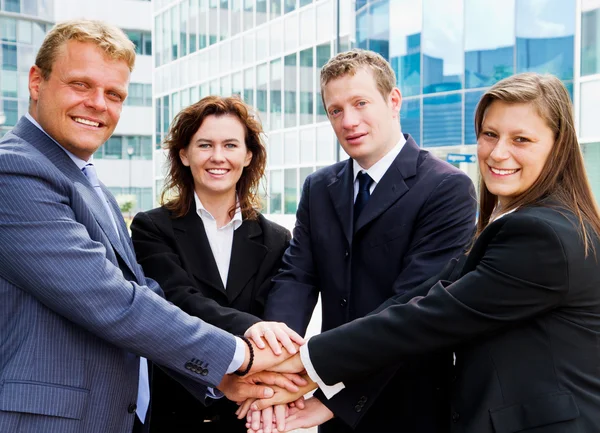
(227, 140)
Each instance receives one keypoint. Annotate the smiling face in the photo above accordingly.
(80, 103)
(217, 155)
(365, 123)
(512, 148)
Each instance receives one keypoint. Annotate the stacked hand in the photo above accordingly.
(271, 395)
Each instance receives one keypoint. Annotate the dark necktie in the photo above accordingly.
(364, 186)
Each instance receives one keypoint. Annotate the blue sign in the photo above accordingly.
(461, 157)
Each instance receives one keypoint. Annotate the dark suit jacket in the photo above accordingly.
(419, 216)
(524, 320)
(176, 253)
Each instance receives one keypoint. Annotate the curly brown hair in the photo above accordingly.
(178, 190)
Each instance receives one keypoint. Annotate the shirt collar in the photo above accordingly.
(78, 161)
(378, 169)
(503, 214)
(236, 221)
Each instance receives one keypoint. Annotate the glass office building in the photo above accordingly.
(268, 52)
(124, 162)
(447, 53)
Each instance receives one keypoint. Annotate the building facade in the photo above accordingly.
(445, 55)
(124, 163)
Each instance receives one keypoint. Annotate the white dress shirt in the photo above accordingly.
(219, 238)
(376, 172)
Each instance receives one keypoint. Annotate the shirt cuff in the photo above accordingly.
(328, 391)
(214, 393)
(239, 356)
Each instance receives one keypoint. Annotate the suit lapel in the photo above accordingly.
(392, 185)
(57, 156)
(341, 191)
(246, 256)
(191, 238)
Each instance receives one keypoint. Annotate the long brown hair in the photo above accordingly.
(178, 190)
(563, 177)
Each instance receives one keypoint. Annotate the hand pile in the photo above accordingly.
(279, 406)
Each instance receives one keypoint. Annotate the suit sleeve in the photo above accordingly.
(444, 227)
(48, 253)
(522, 274)
(160, 261)
(294, 294)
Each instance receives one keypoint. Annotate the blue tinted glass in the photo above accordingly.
(410, 118)
(405, 45)
(489, 43)
(443, 55)
(379, 28)
(9, 57)
(590, 42)
(362, 29)
(359, 4)
(442, 120)
(545, 37)
(471, 101)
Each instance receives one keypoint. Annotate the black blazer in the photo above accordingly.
(420, 215)
(176, 253)
(524, 319)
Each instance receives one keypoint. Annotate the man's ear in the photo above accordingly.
(395, 100)
(35, 80)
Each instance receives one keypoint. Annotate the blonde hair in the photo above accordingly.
(110, 39)
(350, 62)
(563, 177)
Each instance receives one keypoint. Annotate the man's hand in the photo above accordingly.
(276, 334)
(314, 413)
(265, 359)
(239, 389)
(291, 364)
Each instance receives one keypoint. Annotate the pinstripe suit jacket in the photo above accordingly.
(75, 307)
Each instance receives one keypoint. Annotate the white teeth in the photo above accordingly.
(503, 172)
(86, 122)
(217, 171)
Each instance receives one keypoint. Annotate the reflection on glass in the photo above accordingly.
(545, 37)
(248, 20)
(362, 29)
(236, 16)
(290, 190)
(405, 45)
(379, 28)
(193, 6)
(591, 156)
(183, 29)
(443, 61)
(275, 8)
(165, 117)
(275, 190)
(175, 32)
(261, 92)
(489, 41)
(224, 19)
(590, 40)
(289, 6)
(236, 85)
(442, 120)
(158, 132)
(306, 86)
(202, 25)
(275, 121)
(213, 22)
(471, 101)
(410, 118)
(249, 86)
(323, 55)
(290, 72)
(261, 12)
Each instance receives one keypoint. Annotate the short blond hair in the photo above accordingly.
(350, 62)
(110, 39)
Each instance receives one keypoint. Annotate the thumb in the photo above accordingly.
(258, 391)
(261, 404)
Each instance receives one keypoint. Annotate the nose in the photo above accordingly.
(501, 150)
(217, 154)
(96, 100)
(350, 119)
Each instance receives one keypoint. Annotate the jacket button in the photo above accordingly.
(343, 302)
(455, 416)
(131, 408)
(204, 372)
(358, 408)
(346, 253)
(363, 400)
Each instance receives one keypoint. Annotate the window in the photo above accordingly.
(290, 72)
(405, 45)
(9, 57)
(471, 101)
(141, 40)
(442, 120)
(410, 118)
(591, 156)
(590, 37)
(140, 95)
(117, 146)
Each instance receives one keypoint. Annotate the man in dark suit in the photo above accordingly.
(369, 228)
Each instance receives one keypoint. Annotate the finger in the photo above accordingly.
(296, 378)
(271, 378)
(255, 420)
(267, 419)
(280, 414)
(255, 335)
(272, 341)
(300, 403)
(244, 408)
(284, 339)
(255, 391)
